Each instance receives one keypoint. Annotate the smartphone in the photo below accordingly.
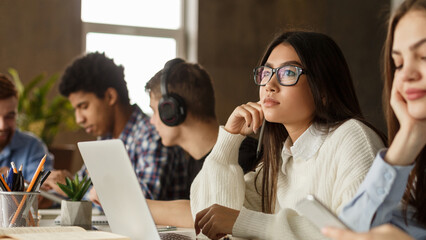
(318, 213)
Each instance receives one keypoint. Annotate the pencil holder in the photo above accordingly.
(19, 209)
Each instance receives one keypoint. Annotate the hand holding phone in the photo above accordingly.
(319, 214)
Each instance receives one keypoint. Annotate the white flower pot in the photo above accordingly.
(76, 213)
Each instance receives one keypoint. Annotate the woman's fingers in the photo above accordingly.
(398, 103)
(199, 221)
(215, 221)
(245, 112)
(257, 115)
(245, 119)
(207, 230)
(204, 224)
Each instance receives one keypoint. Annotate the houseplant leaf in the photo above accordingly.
(65, 188)
(70, 185)
(37, 112)
(75, 189)
(16, 80)
(83, 190)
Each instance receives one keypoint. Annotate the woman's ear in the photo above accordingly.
(111, 96)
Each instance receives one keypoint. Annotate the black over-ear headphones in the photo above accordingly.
(171, 107)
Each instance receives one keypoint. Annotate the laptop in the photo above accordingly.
(119, 191)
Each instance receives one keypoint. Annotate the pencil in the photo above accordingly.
(14, 167)
(4, 183)
(259, 144)
(33, 180)
(44, 177)
(21, 205)
(8, 189)
(14, 199)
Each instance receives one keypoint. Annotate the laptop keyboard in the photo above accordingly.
(176, 236)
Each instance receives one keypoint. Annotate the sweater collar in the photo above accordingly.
(305, 147)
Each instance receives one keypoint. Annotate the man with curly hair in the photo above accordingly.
(96, 88)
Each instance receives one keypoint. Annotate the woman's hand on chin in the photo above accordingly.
(411, 134)
(245, 119)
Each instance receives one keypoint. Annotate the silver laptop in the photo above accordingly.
(119, 191)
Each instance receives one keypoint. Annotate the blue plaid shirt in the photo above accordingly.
(159, 169)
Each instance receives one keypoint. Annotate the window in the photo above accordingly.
(141, 35)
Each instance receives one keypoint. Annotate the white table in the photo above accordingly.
(47, 218)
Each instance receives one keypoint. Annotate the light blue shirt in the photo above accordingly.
(379, 197)
(28, 150)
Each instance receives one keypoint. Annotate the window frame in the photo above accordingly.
(185, 36)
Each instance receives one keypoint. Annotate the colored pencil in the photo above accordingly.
(21, 205)
(14, 167)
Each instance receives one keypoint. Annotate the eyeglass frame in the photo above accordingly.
(300, 71)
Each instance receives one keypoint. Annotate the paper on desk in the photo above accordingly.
(88, 235)
(48, 233)
(96, 220)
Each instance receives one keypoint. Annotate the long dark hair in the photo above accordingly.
(333, 92)
(415, 193)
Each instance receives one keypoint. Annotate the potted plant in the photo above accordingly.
(75, 212)
(39, 114)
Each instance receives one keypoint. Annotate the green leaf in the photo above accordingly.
(44, 90)
(31, 86)
(83, 190)
(80, 185)
(16, 80)
(70, 184)
(76, 181)
(36, 103)
(66, 190)
(75, 189)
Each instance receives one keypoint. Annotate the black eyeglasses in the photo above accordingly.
(287, 75)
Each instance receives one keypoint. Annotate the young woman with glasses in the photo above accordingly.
(316, 141)
(401, 170)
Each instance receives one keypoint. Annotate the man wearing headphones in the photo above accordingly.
(96, 88)
(182, 99)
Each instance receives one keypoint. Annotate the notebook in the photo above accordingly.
(96, 220)
(119, 191)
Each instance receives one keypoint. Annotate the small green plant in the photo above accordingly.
(38, 113)
(75, 189)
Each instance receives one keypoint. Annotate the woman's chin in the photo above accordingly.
(417, 111)
(271, 118)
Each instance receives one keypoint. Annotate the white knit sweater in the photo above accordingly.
(329, 165)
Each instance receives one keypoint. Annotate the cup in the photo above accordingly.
(19, 209)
